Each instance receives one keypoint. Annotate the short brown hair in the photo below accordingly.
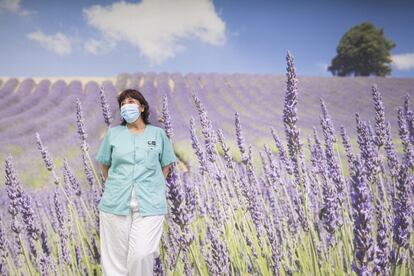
(135, 94)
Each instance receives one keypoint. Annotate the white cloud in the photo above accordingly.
(157, 27)
(10, 5)
(14, 6)
(58, 43)
(403, 61)
(97, 47)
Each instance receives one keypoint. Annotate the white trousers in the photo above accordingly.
(129, 244)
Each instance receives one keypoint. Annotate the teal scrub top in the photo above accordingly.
(135, 160)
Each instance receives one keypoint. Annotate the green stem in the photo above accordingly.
(28, 262)
(93, 169)
(394, 267)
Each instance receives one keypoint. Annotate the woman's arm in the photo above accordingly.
(166, 171)
(105, 169)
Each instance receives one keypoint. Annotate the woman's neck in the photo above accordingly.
(137, 125)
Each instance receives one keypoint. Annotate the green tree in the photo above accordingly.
(362, 51)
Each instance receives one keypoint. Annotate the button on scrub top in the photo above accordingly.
(135, 160)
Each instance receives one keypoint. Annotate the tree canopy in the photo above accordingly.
(363, 51)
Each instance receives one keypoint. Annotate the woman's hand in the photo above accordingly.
(105, 169)
(166, 171)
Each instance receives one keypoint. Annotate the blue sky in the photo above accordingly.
(104, 38)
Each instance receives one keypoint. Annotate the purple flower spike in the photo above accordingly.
(218, 261)
(210, 138)
(80, 122)
(282, 151)
(379, 117)
(361, 202)
(13, 187)
(226, 150)
(45, 153)
(402, 208)
(391, 153)
(166, 118)
(409, 114)
(405, 139)
(332, 163)
(106, 111)
(240, 138)
(72, 179)
(197, 147)
(3, 249)
(293, 141)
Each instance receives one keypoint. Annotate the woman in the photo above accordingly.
(135, 158)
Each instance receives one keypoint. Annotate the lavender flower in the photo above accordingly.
(45, 245)
(316, 152)
(274, 170)
(282, 153)
(61, 228)
(274, 245)
(15, 193)
(46, 158)
(292, 136)
(45, 262)
(31, 222)
(405, 139)
(190, 196)
(289, 111)
(207, 130)
(176, 199)
(334, 172)
(166, 118)
(330, 213)
(13, 187)
(362, 215)
(368, 152)
(239, 137)
(78, 257)
(3, 249)
(44, 265)
(409, 114)
(326, 123)
(88, 170)
(106, 111)
(379, 139)
(80, 122)
(96, 256)
(249, 189)
(218, 261)
(158, 267)
(226, 150)
(189, 270)
(402, 208)
(197, 147)
(382, 250)
(170, 241)
(347, 145)
(71, 178)
(176, 196)
(391, 154)
(45, 153)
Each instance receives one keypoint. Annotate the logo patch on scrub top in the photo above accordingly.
(152, 143)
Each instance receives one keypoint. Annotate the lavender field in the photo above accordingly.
(278, 175)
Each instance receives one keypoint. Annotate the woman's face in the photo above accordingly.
(132, 101)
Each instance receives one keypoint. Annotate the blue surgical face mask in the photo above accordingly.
(130, 112)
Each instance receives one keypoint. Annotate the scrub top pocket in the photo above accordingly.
(152, 162)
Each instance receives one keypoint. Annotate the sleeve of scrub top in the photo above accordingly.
(105, 150)
(167, 151)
